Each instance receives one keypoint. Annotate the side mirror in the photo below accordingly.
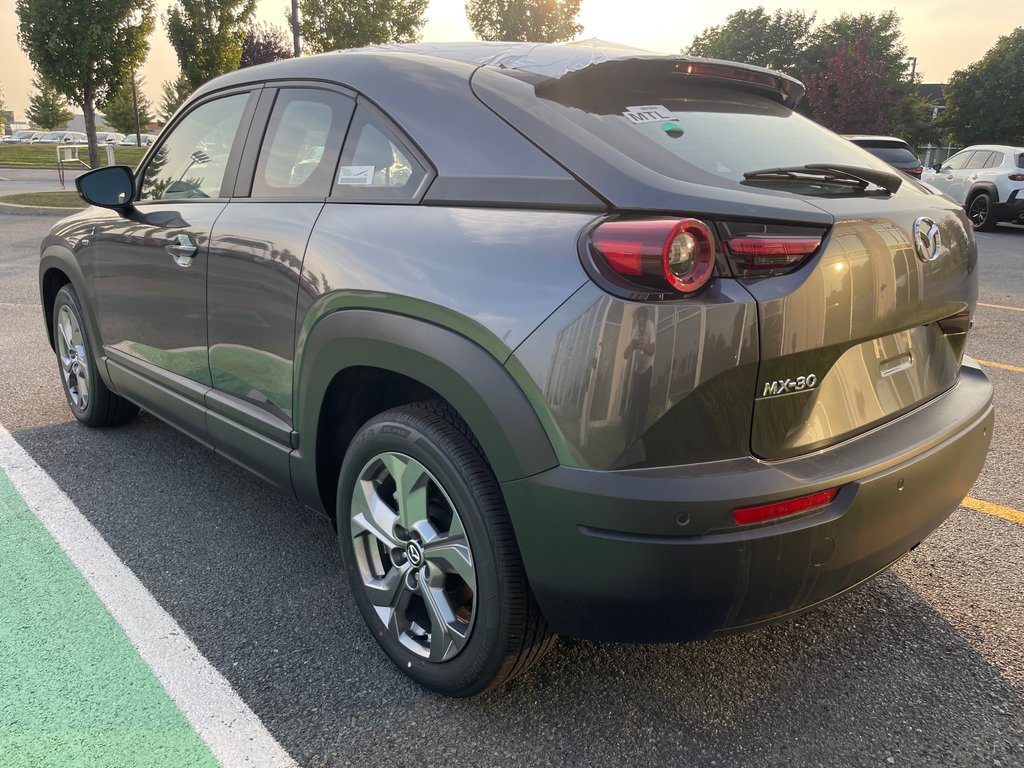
(110, 187)
(937, 167)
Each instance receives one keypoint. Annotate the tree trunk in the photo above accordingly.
(89, 112)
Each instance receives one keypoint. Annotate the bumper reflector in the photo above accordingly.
(777, 509)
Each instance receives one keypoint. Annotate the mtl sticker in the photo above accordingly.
(649, 113)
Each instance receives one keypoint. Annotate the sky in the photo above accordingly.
(944, 35)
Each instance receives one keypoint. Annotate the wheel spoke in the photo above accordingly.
(411, 485)
(65, 329)
(447, 636)
(386, 591)
(452, 555)
(65, 363)
(372, 514)
(82, 375)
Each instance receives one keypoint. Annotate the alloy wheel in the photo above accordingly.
(979, 211)
(413, 556)
(74, 360)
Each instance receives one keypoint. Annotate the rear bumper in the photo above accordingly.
(1011, 209)
(654, 556)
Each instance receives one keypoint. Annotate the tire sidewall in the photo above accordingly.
(66, 298)
(481, 658)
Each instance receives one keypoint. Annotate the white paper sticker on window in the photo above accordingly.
(355, 174)
(649, 113)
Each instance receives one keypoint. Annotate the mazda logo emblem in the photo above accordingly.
(927, 242)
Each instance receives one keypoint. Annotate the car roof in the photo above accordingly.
(993, 148)
(858, 137)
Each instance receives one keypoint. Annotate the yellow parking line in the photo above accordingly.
(1001, 306)
(997, 510)
(1016, 368)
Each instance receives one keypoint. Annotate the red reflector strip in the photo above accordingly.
(764, 512)
(755, 252)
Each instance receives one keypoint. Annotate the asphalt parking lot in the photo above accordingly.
(924, 666)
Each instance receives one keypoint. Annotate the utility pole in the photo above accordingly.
(913, 66)
(135, 109)
(295, 29)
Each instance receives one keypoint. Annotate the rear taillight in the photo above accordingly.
(916, 172)
(762, 513)
(662, 256)
(1017, 177)
(761, 255)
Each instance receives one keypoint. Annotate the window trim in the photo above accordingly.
(341, 194)
(234, 155)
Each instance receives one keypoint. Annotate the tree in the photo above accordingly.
(172, 95)
(538, 21)
(778, 41)
(326, 25)
(207, 36)
(879, 36)
(264, 43)
(47, 109)
(985, 101)
(84, 47)
(119, 110)
(851, 93)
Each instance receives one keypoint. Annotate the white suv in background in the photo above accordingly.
(987, 179)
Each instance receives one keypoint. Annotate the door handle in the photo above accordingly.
(183, 250)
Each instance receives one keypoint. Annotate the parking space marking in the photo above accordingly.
(997, 510)
(1001, 306)
(233, 732)
(1004, 366)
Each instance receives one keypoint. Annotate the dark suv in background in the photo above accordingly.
(564, 339)
(895, 152)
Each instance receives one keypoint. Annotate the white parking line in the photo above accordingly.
(233, 732)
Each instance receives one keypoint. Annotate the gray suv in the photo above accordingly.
(565, 340)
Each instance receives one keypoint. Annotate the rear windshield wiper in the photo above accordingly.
(861, 177)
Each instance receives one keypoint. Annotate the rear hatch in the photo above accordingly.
(868, 326)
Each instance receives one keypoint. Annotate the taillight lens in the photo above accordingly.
(762, 513)
(1017, 177)
(761, 255)
(665, 256)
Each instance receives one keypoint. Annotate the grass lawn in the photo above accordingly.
(51, 199)
(45, 155)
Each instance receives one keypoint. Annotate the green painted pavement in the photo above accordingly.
(73, 690)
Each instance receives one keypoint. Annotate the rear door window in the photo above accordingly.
(979, 160)
(301, 145)
(995, 161)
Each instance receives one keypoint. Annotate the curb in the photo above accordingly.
(36, 210)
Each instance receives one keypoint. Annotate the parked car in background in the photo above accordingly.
(109, 137)
(987, 179)
(554, 349)
(55, 137)
(22, 137)
(132, 140)
(896, 152)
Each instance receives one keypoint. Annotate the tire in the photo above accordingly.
(89, 398)
(413, 476)
(979, 211)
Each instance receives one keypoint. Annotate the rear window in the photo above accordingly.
(722, 131)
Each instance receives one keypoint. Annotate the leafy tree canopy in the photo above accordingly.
(985, 101)
(172, 95)
(119, 111)
(849, 61)
(326, 25)
(777, 41)
(47, 108)
(264, 43)
(84, 47)
(207, 36)
(537, 21)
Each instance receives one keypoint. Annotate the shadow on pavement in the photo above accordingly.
(874, 678)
